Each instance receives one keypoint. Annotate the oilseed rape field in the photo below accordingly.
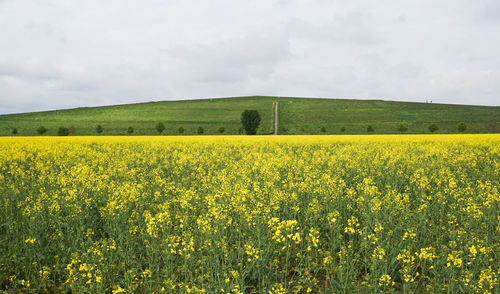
(250, 214)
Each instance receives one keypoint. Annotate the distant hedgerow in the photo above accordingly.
(181, 130)
(160, 127)
(462, 127)
(200, 130)
(63, 131)
(41, 130)
(433, 128)
(402, 128)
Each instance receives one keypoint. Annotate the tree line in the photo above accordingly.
(250, 122)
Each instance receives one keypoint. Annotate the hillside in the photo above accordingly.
(296, 116)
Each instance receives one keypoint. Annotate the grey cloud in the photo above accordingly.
(490, 10)
(350, 28)
(28, 71)
(56, 54)
(232, 60)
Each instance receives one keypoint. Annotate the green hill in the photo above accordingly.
(296, 116)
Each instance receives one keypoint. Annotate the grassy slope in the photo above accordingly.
(207, 113)
(295, 115)
(384, 116)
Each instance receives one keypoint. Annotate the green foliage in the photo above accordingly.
(130, 130)
(99, 129)
(14, 131)
(63, 131)
(72, 130)
(402, 128)
(41, 130)
(181, 130)
(221, 130)
(200, 130)
(461, 127)
(370, 129)
(342, 129)
(250, 119)
(294, 113)
(160, 127)
(433, 128)
(323, 129)
(240, 131)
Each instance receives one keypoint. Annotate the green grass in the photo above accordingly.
(296, 116)
(384, 116)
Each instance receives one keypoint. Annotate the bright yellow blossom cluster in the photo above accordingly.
(250, 214)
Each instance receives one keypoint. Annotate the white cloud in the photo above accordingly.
(56, 53)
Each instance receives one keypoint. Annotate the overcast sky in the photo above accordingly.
(62, 54)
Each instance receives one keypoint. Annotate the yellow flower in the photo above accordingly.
(118, 290)
(30, 240)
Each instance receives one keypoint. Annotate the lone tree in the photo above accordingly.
(433, 128)
(14, 131)
(130, 130)
(462, 127)
(250, 119)
(370, 129)
(222, 129)
(99, 129)
(200, 131)
(160, 127)
(41, 130)
(181, 130)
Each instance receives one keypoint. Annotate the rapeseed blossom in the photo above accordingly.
(240, 214)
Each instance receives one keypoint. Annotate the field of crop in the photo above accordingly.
(252, 214)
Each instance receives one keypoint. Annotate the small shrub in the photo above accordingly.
(63, 131)
(222, 130)
(160, 127)
(181, 130)
(370, 129)
(342, 129)
(130, 130)
(240, 130)
(323, 130)
(14, 131)
(433, 128)
(200, 130)
(302, 130)
(99, 129)
(402, 128)
(41, 130)
(462, 127)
